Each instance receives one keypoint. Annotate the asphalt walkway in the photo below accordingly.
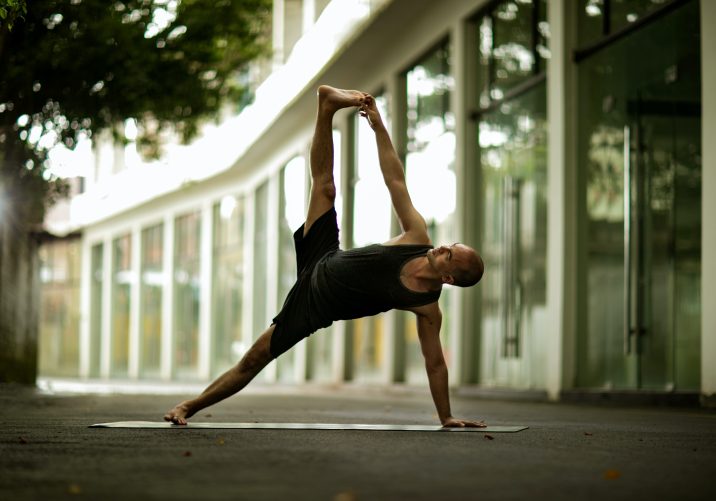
(569, 451)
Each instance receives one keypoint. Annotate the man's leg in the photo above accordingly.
(229, 383)
(323, 188)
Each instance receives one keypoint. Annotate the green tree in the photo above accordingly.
(73, 68)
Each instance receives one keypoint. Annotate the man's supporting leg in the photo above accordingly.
(323, 188)
(229, 383)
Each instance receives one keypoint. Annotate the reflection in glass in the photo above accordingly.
(228, 341)
(640, 167)
(152, 283)
(59, 308)
(121, 284)
(372, 215)
(291, 216)
(186, 294)
(429, 168)
(513, 156)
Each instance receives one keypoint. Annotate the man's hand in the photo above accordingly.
(452, 422)
(369, 110)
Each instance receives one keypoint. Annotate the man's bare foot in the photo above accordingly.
(179, 414)
(331, 99)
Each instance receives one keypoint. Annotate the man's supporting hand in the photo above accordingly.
(452, 422)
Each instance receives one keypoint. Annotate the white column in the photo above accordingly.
(561, 188)
(106, 335)
(134, 298)
(206, 256)
(167, 352)
(462, 333)
(85, 308)
(247, 317)
(272, 259)
(278, 22)
(309, 14)
(708, 202)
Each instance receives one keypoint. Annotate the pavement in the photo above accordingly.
(570, 451)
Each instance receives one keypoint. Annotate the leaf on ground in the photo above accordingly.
(345, 496)
(74, 489)
(208, 415)
(588, 434)
(489, 437)
(22, 440)
(612, 474)
(220, 441)
(187, 454)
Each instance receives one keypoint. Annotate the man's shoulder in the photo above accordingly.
(410, 238)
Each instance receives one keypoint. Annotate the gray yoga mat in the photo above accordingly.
(306, 426)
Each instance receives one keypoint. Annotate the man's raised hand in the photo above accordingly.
(369, 110)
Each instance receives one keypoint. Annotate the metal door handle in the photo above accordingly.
(627, 240)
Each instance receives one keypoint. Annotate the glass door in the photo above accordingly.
(640, 176)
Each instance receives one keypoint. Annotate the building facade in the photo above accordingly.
(567, 140)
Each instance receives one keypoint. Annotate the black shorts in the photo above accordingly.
(296, 321)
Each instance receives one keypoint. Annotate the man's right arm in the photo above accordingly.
(394, 176)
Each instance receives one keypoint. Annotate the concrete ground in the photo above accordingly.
(569, 452)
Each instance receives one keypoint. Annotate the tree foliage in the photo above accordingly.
(11, 10)
(73, 68)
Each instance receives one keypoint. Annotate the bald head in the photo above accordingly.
(470, 268)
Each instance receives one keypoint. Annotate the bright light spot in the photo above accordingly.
(97, 87)
(130, 129)
(227, 206)
(35, 134)
(431, 182)
(23, 120)
(176, 32)
(593, 10)
(632, 17)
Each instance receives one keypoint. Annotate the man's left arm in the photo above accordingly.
(429, 320)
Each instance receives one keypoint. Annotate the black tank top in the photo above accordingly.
(365, 281)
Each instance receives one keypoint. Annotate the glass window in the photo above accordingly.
(598, 18)
(152, 281)
(292, 209)
(186, 294)
(121, 285)
(430, 163)
(59, 308)
(229, 342)
(513, 45)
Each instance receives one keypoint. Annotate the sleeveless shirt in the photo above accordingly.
(362, 282)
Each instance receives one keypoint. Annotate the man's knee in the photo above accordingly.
(325, 189)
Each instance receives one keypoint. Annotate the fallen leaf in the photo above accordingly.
(220, 441)
(208, 415)
(187, 454)
(489, 437)
(345, 496)
(22, 440)
(586, 433)
(611, 474)
(74, 489)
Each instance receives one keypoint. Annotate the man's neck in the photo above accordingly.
(420, 275)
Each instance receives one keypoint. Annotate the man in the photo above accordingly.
(404, 273)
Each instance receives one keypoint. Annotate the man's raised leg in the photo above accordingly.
(229, 383)
(323, 188)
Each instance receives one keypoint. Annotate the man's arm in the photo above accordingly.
(429, 319)
(394, 175)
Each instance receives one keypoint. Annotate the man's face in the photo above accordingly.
(446, 259)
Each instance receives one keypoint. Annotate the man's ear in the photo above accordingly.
(448, 279)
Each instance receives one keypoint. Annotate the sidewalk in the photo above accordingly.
(568, 452)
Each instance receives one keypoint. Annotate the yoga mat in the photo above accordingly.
(306, 426)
